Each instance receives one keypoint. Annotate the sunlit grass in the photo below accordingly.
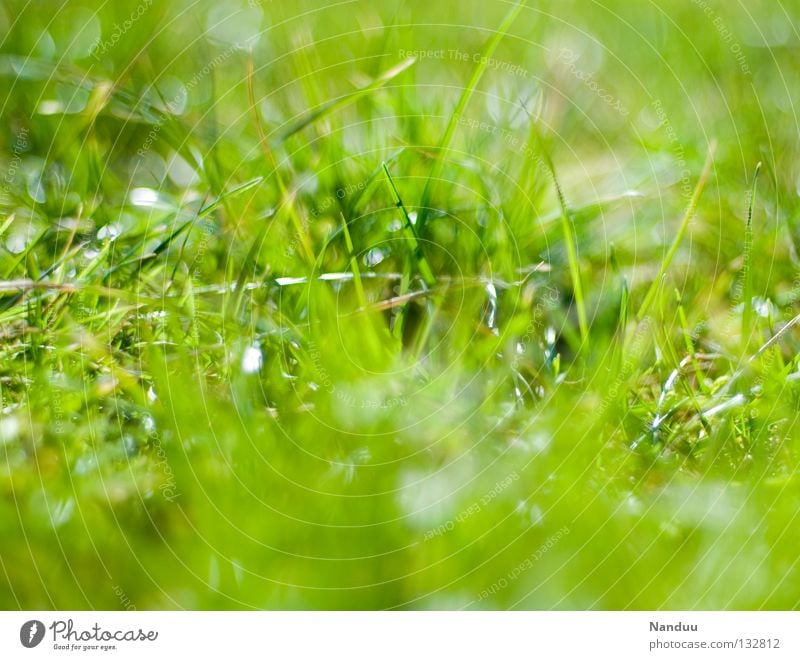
(290, 319)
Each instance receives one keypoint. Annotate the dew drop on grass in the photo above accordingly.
(129, 445)
(764, 307)
(491, 293)
(171, 94)
(35, 187)
(17, 243)
(62, 512)
(308, 182)
(148, 422)
(49, 107)
(374, 257)
(85, 465)
(239, 26)
(144, 197)
(9, 429)
(251, 359)
(181, 173)
(109, 232)
(540, 442)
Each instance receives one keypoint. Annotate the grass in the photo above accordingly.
(399, 306)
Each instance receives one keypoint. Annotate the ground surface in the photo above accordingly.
(417, 305)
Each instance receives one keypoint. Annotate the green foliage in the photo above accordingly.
(311, 305)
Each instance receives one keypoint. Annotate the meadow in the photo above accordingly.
(365, 305)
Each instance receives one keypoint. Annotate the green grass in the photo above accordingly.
(399, 305)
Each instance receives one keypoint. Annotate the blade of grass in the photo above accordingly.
(572, 256)
(140, 259)
(337, 231)
(247, 264)
(690, 350)
(581, 215)
(687, 217)
(472, 83)
(416, 248)
(371, 179)
(287, 200)
(359, 287)
(567, 227)
(624, 301)
(422, 264)
(345, 100)
(747, 275)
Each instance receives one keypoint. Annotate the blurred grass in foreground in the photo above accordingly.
(243, 367)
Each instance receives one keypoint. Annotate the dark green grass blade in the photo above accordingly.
(747, 275)
(418, 256)
(411, 233)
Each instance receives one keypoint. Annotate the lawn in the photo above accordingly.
(365, 305)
